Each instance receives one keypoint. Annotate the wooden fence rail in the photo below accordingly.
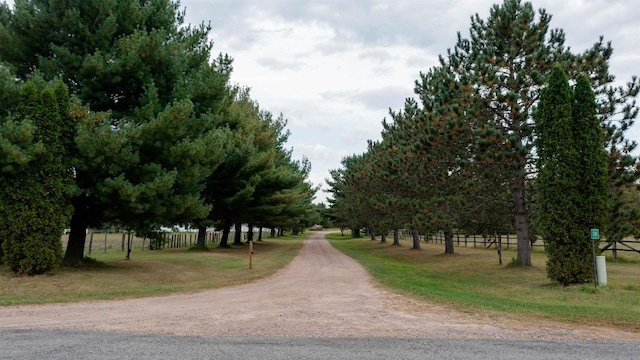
(508, 240)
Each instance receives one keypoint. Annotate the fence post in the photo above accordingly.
(500, 248)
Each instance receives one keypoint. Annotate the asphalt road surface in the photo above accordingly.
(59, 345)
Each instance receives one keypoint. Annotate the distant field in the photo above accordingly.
(472, 280)
(148, 273)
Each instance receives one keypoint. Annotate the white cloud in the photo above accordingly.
(320, 153)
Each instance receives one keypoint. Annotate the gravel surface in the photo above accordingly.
(321, 294)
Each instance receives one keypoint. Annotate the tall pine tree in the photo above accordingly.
(151, 130)
(504, 64)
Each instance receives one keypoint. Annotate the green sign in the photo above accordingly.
(595, 234)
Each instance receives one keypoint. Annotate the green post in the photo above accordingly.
(595, 235)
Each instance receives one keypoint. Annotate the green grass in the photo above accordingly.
(149, 273)
(472, 280)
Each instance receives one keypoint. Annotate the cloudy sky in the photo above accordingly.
(335, 67)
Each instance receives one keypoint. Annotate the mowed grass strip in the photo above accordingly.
(150, 273)
(472, 280)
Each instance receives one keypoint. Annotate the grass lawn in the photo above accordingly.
(473, 280)
(149, 273)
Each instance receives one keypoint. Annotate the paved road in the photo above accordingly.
(59, 345)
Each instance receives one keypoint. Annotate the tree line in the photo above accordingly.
(115, 112)
(480, 150)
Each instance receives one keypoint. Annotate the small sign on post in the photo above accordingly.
(595, 235)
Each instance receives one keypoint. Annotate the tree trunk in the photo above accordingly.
(522, 220)
(129, 244)
(416, 239)
(237, 237)
(201, 242)
(448, 240)
(74, 254)
(226, 229)
(373, 234)
(396, 237)
(383, 237)
(500, 248)
(250, 233)
(260, 234)
(273, 232)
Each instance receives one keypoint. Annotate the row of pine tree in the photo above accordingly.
(113, 112)
(488, 147)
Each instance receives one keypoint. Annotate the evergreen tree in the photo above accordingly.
(442, 139)
(503, 66)
(591, 164)
(34, 206)
(347, 202)
(560, 124)
(17, 144)
(384, 190)
(151, 129)
(503, 76)
(631, 209)
(406, 163)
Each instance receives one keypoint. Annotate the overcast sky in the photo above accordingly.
(333, 68)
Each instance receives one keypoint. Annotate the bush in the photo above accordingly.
(31, 256)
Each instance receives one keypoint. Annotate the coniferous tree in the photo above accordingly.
(34, 199)
(17, 145)
(504, 65)
(385, 189)
(563, 124)
(503, 76)
(591, 164)
(348, 202)
(150, 131)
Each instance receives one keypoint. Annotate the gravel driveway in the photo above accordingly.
(322, 293)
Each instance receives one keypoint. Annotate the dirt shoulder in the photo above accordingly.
(322, 293)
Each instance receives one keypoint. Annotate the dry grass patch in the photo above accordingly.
(150, 273)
